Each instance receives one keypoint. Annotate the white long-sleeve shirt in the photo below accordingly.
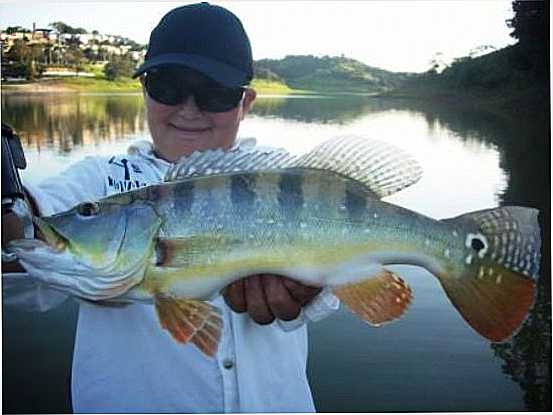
(124, 362)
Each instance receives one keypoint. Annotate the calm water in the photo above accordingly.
(428, 361)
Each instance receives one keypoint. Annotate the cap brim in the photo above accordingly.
(222, 73)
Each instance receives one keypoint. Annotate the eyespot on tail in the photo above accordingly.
(496, 287)
(377, 300)
(191, 321)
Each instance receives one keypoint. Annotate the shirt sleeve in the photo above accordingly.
(320, 307)
(81, 182)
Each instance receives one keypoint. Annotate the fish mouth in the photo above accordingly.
(48, 234)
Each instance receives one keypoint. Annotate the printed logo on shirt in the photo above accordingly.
(125, 164)
(127, 182)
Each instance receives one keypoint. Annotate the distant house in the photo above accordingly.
(102, 45)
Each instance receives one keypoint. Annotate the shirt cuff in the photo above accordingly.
(21, 291)
(320, 307)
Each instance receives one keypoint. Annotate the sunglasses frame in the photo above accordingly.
(183, 89)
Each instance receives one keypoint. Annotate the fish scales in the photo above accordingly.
(316, 218)
(336, 233)
(277, 236)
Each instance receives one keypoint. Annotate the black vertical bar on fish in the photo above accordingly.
(290, 196)
(184, 196)
(242, 192)
(355, 200)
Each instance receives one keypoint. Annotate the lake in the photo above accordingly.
(430, 360)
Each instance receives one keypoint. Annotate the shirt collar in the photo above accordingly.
(145, 149)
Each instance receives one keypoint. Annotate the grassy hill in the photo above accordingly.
(512, 79)
(328, 74)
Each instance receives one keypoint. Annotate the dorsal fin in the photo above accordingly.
(383, 168)
(245, 157)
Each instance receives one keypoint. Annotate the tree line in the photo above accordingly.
(337, 73)
(517, 66)
(30, 59)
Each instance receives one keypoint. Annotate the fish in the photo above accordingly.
(317, 218)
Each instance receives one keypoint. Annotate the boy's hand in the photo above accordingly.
(266, 297)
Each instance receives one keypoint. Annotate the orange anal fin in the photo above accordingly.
(191, 321)
(377, 300)
(494, 305)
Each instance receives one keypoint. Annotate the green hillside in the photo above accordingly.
(333, 74)
(514, 79)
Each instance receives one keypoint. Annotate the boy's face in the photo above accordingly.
(183, 128)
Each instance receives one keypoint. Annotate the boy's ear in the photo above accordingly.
(249, 98)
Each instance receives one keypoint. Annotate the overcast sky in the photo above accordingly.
(389, 34)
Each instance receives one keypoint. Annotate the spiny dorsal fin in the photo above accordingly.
(384, 169)
(191, 321)
(244, 157)
(377, 300)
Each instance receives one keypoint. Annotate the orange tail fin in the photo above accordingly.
(494, 305)
(496, 286)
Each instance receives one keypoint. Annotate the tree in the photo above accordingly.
(23, 59)
(530, 27)
(529, 22)
(19, 51)
(437, 63)
(62, 27)
(119, 66)
(75, 57)
(265, 73)
(10, 30)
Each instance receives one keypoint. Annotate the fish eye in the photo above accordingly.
(88, 209)
(477, 244)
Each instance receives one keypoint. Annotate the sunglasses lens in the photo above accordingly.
(218, 99)
(161, 88)
(171, 88)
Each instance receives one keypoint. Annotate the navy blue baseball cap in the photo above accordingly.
(203, 37)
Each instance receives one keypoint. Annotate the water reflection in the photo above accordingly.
(336, 109)
(470, 142)
(63, 122)
(524, 146)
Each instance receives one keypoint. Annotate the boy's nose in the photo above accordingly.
(189, 107)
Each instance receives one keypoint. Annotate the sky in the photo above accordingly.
(397, 35)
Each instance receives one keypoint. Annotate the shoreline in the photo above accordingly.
(519, 103)
(99, 85)
(69, 85)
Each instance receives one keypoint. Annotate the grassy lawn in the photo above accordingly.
(100, 84)
(263, 86)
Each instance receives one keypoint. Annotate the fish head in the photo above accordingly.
(100, 233)
(97, 250)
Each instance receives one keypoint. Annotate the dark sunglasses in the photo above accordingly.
(173, 87)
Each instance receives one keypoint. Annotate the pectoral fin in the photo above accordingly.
(376, 300)
(191, 321)
(181, 252)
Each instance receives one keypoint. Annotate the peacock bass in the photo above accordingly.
(317, 218)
